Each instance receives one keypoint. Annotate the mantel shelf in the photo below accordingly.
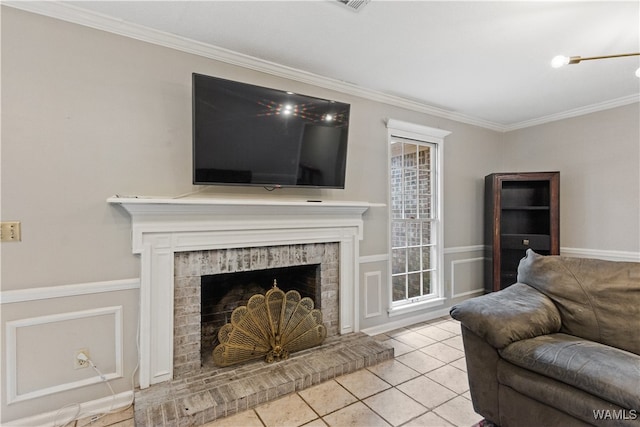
(238, 205)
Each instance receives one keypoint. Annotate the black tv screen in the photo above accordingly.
(252, 135)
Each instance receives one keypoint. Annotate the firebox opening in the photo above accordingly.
(222, 293)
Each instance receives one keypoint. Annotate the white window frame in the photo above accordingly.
(397, 129)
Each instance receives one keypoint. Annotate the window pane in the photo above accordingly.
(410, 181)
(396, 180)
(414, 285)
(414, 233)
(425, 194)
(414, 259)
(410, 205)
(427, 238)
(426, 283)
(399, 291)
(424, 156)
(424, 208)
(399, 261)
(426, 258)
(396, 206)
(396, 156)
(398, 234)
(410, 155)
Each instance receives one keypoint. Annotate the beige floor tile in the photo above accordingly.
(242, 419)
(442, 352)
(393, 372)
(452, 326)
(429, 419)
(394, 406)
(420, 361)
(398, 332)
(327, 397)
(455, 342)
(441, 319)
(414, 339)
(459, 412)
(362, 383)
(399, 348)
(435, 333)
(460, 364)
(355, 415)
(450, 377)
(381, 337)
(427, 392)
(417, 326)
(289, 411)
(316, 423)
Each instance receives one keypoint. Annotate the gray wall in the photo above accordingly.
(598, 156)
(87, 114)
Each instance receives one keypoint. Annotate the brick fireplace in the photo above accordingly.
(192, 267)
(173, 236)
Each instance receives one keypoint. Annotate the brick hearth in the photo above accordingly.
(206, 395)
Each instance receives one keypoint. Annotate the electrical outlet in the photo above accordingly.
(79, 361)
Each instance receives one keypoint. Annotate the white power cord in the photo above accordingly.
(82, 357)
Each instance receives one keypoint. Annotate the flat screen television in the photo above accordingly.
(251, 135)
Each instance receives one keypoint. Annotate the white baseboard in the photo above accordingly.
(63, 416)
(390, 326)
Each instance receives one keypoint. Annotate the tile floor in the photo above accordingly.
(425, 385)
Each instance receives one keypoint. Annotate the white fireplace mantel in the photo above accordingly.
(163, 226)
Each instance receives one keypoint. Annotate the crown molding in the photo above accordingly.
(77, 15)
(593, 108)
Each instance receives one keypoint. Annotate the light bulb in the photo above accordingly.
(638, 72)
(559, 61)
(328, 117)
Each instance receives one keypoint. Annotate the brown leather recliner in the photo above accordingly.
(559, 348)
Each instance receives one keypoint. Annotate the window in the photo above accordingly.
(415, 171)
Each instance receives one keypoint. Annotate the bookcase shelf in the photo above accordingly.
(522, 211)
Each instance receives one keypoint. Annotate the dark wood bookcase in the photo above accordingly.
(522, 211)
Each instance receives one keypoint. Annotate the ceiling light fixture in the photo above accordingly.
(561, 60)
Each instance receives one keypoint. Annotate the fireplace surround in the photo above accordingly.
(163, 228)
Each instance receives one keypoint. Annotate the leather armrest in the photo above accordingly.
(512, 314)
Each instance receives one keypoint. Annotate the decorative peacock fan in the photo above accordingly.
(270, 326)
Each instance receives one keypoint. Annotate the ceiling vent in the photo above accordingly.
(354, 5)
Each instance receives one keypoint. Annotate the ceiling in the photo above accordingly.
(485, 61)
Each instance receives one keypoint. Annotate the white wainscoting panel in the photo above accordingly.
(466, 274)
(372, 294)
(93, 326)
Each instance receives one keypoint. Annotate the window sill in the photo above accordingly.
(417, 306)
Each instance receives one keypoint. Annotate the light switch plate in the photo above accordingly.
(10, 231)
